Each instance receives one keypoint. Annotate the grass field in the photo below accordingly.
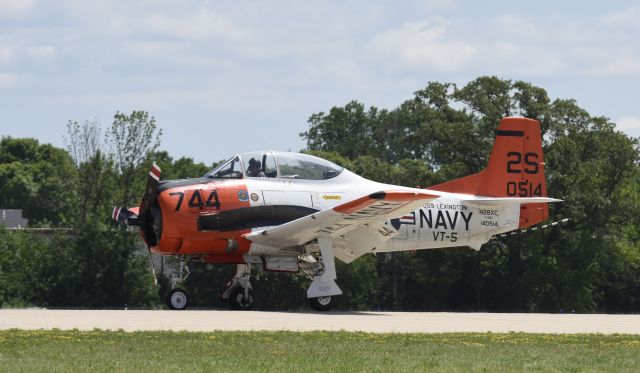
(57, 351)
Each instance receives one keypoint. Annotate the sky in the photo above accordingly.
(224, 77)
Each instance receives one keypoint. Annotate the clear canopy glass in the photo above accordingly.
(276, 164)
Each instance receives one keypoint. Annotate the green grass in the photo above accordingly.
(57, 351)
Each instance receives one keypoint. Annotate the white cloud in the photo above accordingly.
(629, 125)
(8, 81)
(41, 52)
(13, 8)
(425, 43)
(217, 99)
(620, 63)
(506, 57)
(431, 5)
(154, 49)
(6, 55)
(512, 44)
(201, 25)
(253, 59)
(627, 18)
(603, 46)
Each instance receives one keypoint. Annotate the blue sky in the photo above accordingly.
(223, 77)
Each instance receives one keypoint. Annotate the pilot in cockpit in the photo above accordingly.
(254, 169)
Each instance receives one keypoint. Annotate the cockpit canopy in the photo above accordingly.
(270, 164)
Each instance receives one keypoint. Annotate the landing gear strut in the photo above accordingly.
(177, 299)
(239, 291)
(323, 289)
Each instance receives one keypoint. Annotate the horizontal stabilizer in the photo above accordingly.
(507, 201)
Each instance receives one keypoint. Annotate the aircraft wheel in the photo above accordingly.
(322, 303)
(177, 299)
(238, 300)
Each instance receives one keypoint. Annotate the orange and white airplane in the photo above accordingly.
(289, 212)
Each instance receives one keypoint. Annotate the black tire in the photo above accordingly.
(322, 304)
(177, 299)
(237, 299)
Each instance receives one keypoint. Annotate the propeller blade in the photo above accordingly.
(153, 268)
(115, 215)
(125, 216)
(151, 191)
(148, 199)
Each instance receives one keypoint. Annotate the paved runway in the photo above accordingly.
(398, 322)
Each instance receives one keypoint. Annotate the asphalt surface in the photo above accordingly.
(398, 322)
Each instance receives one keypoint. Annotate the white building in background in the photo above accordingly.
(12, 219)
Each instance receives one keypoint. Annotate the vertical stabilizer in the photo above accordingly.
(515, 169)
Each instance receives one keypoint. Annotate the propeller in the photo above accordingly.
(144, 216)
(150, 194)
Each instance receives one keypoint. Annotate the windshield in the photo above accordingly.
(304, 166)
(230, 169)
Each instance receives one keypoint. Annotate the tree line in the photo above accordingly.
(442, 132)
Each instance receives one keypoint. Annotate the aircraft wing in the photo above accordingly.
(339, 221)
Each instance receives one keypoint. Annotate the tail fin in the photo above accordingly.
(515, 169)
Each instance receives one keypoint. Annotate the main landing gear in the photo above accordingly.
(323, 289)
(321, 293)
(239, 292)
(177, 299)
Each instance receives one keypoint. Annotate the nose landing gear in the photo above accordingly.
(177, 299)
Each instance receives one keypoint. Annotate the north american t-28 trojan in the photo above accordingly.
(291, 212)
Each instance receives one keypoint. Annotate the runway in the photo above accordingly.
(377, 322)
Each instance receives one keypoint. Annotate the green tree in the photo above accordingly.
(134, 138)
(95, 173)
(36, 178)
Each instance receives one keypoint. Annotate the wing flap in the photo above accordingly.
(362, 240)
